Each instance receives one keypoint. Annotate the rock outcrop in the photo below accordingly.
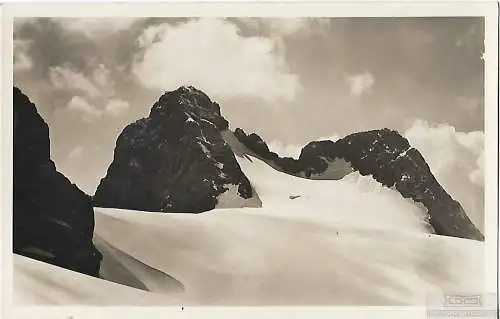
(53, 220)
(175, 160)
(388, 158)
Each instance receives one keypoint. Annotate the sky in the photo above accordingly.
(290, 80)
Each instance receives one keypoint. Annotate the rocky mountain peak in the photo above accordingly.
(175, 160)
(190, 104)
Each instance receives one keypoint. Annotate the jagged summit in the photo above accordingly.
(175, 160)
(194, 103)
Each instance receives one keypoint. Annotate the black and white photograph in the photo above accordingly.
(251, 161)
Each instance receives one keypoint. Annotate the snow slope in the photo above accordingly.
(38, 283)
(346, 242)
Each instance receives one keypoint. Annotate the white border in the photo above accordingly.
(488, 10)
(252, 9)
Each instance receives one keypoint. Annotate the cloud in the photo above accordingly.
(360, 83)
(446, 149)
(151, 35)
(67, 79)
(477, 176)
(285, 26)
(98, 84)
(22, 61)
(457, 161)
(95, 95)
(102, 75)
(97, 26)
(279, 26)
(212, 55)
(86, 111)
(285, 150)
(293, 150)
(116, 107)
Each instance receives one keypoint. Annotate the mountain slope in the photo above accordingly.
(38, 283)
(53, 219)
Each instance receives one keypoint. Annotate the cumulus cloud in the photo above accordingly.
(457, 161)
(116, 107)
(445, 147)
(67, 79)
(212, 55)
(360, 83)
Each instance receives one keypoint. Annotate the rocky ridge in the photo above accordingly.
(53, 220)
(388, 158)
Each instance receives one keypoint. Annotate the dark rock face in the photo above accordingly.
(53, 219)
(175, 160)
(389, 158)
